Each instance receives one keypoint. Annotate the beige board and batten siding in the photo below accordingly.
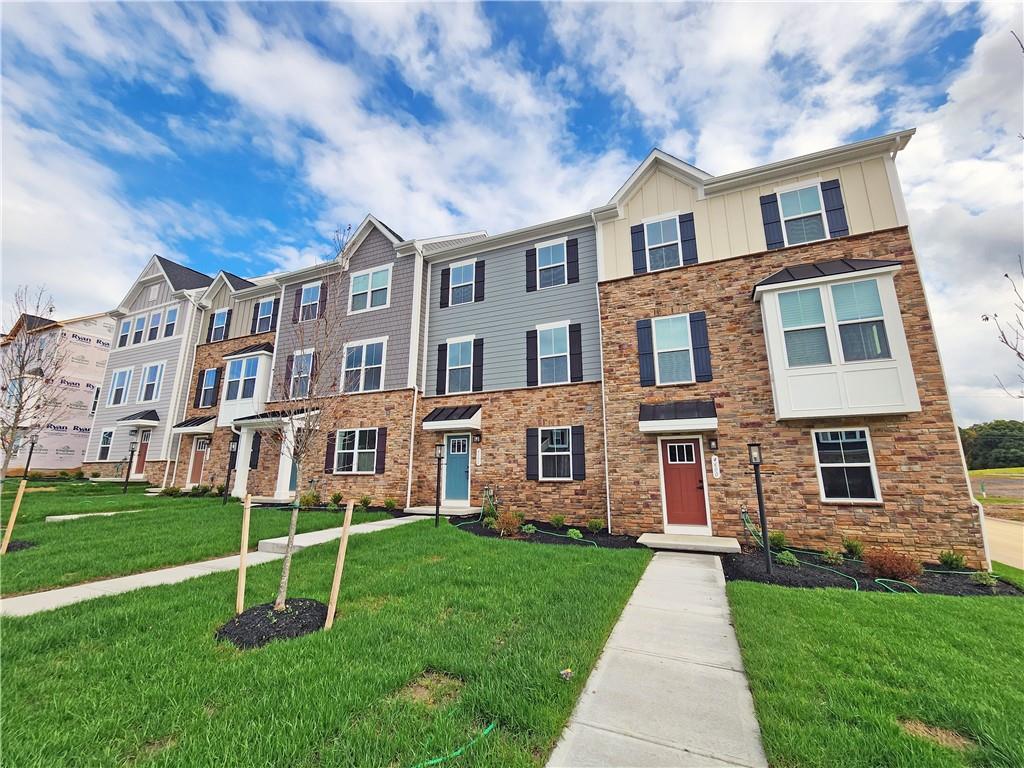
(729, 224)
(241, 309)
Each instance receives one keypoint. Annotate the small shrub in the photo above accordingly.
(787, 558)
(854, 548)
(94, 474)
(199, 490)
(558, 521)
(79, 474)
(574, 533)
(594, 525)
(365, 502)
(390, 504)
(831, 557)
(507, 522)
(983, 579)
(64, 473)
(777, 540)
(529, 529)
(336, 498)
(309, 499)
(490, 522)
(887, 563)
(171, 491)
(952, 560)
(219, 489)
(35, 475)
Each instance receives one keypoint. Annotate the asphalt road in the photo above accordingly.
(1005, 541)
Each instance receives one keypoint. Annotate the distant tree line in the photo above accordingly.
(994, 444)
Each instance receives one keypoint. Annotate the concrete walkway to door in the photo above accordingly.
(669, 688)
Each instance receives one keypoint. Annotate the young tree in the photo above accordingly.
(33, 355)
(1011, 332)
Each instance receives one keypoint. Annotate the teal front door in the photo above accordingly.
(456, 471)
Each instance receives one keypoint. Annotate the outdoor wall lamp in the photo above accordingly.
(712, 443)
(439, 451)
(754, 452)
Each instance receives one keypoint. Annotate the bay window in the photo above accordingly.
(803, 321)
(242, 378)
(861, 321)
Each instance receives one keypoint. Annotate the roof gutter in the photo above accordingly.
(523, 235)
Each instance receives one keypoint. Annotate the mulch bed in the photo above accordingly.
(16, 545)
(259, 625)
(544, 531)
(749, 566)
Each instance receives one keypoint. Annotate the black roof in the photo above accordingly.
(824, 269)
(453, 413)
(182, 277)
(237, 283)
(398, 237)
(265, 346)
(150, 415)
(680, 409)
(195, 421)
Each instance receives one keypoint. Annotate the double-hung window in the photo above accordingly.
(119, 383)
(553, 353)
(551, 264)
(208, 388)
(859, 316)
(140, 329)
(106, 438)
(13, 392)
(149, 389)
(154, 327)
(242, 378)
(662, 238)
(124, 333)
(265, 316)
(846, 465)
(302, 371)
(803, 219)
(219, 329)
(462, 281)
(460, 365)
(673, 351)
(364, 366)
(170, 321)
(355, 451)
(555, 453)
(803, 324)
(371, 289)
(95, 401)
(309, 303)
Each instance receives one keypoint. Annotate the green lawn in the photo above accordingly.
(167, 532)
(833, 673)
(1009, 573)
(137, 679)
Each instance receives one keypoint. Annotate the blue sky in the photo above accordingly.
(239, 137)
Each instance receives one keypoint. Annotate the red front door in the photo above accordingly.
(684, 482)
(140, 460)
(198, 459)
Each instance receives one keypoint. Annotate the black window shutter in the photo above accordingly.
(572, 261)
(636, 235)
(297, 304)
(834, 210)
(209, 328)
(233, 455)
(531, 270)
(442, 369)
(199, 389)
(478, 281)
(322, 307)
(772, 222)
(575, 352)
(254, 452)
(227, 325)
(273, 317)
(532, 455)
(216, 384)
(645, 349)
(382, 449)
(701, 346)
(289, 363)
(531, 358)
(478, 365)
(446, 283)
(329, 455)
(255, 317)
(688, 239)
(579, 454)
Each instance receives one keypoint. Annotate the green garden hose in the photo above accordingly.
(563, 536)
(459, 751)
(757, 538)
(886, 582)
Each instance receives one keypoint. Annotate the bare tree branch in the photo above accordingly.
(1011, 332)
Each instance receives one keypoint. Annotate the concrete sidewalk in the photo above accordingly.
(1005, 541)
(25, 605)
(669, 688)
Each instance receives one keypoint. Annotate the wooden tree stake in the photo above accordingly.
(14, 516)
(243, 554)
(339, 566)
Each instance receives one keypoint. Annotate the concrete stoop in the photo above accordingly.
(681, 542)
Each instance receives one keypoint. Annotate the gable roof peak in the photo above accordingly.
(181, 277)
(688, 173)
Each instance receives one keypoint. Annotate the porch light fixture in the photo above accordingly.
(439, 451)
(132, 446)
(712, 443)
(754, 453)
(439, 455)
(232, 450)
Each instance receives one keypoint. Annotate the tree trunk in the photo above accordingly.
(286, 568)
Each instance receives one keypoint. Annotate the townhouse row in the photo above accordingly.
(613, 364)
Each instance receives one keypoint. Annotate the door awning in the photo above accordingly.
(679, 416)
(269, 419)
(197, 425)
(141, 418)
(452, 418)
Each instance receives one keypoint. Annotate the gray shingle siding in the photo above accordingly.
(509, 311)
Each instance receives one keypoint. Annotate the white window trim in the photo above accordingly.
(540, 457)
(871, 463)
(826, 323)
(135, 329)
(355, 451)
(127, 387)
(448, 368)
(302, 290)
(241, 378)
(297, 353)
(679, 239)
(166, 322)
(452, 286)
(839, 323)
(369, 290)
(127, 336)
(568, 354)
(362, 368)
(161, 366)
(109, 446)
(654, 342)
(564, 242)
(816, 183)
(213, 331)
(204, 388)
(159, 315)
(269, 315)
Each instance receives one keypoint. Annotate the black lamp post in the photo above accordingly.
(439, 455)
(754, 452)
(32, 440)
(232, 452)
(128, 470)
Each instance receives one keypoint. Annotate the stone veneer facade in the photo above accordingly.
(926, 505)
